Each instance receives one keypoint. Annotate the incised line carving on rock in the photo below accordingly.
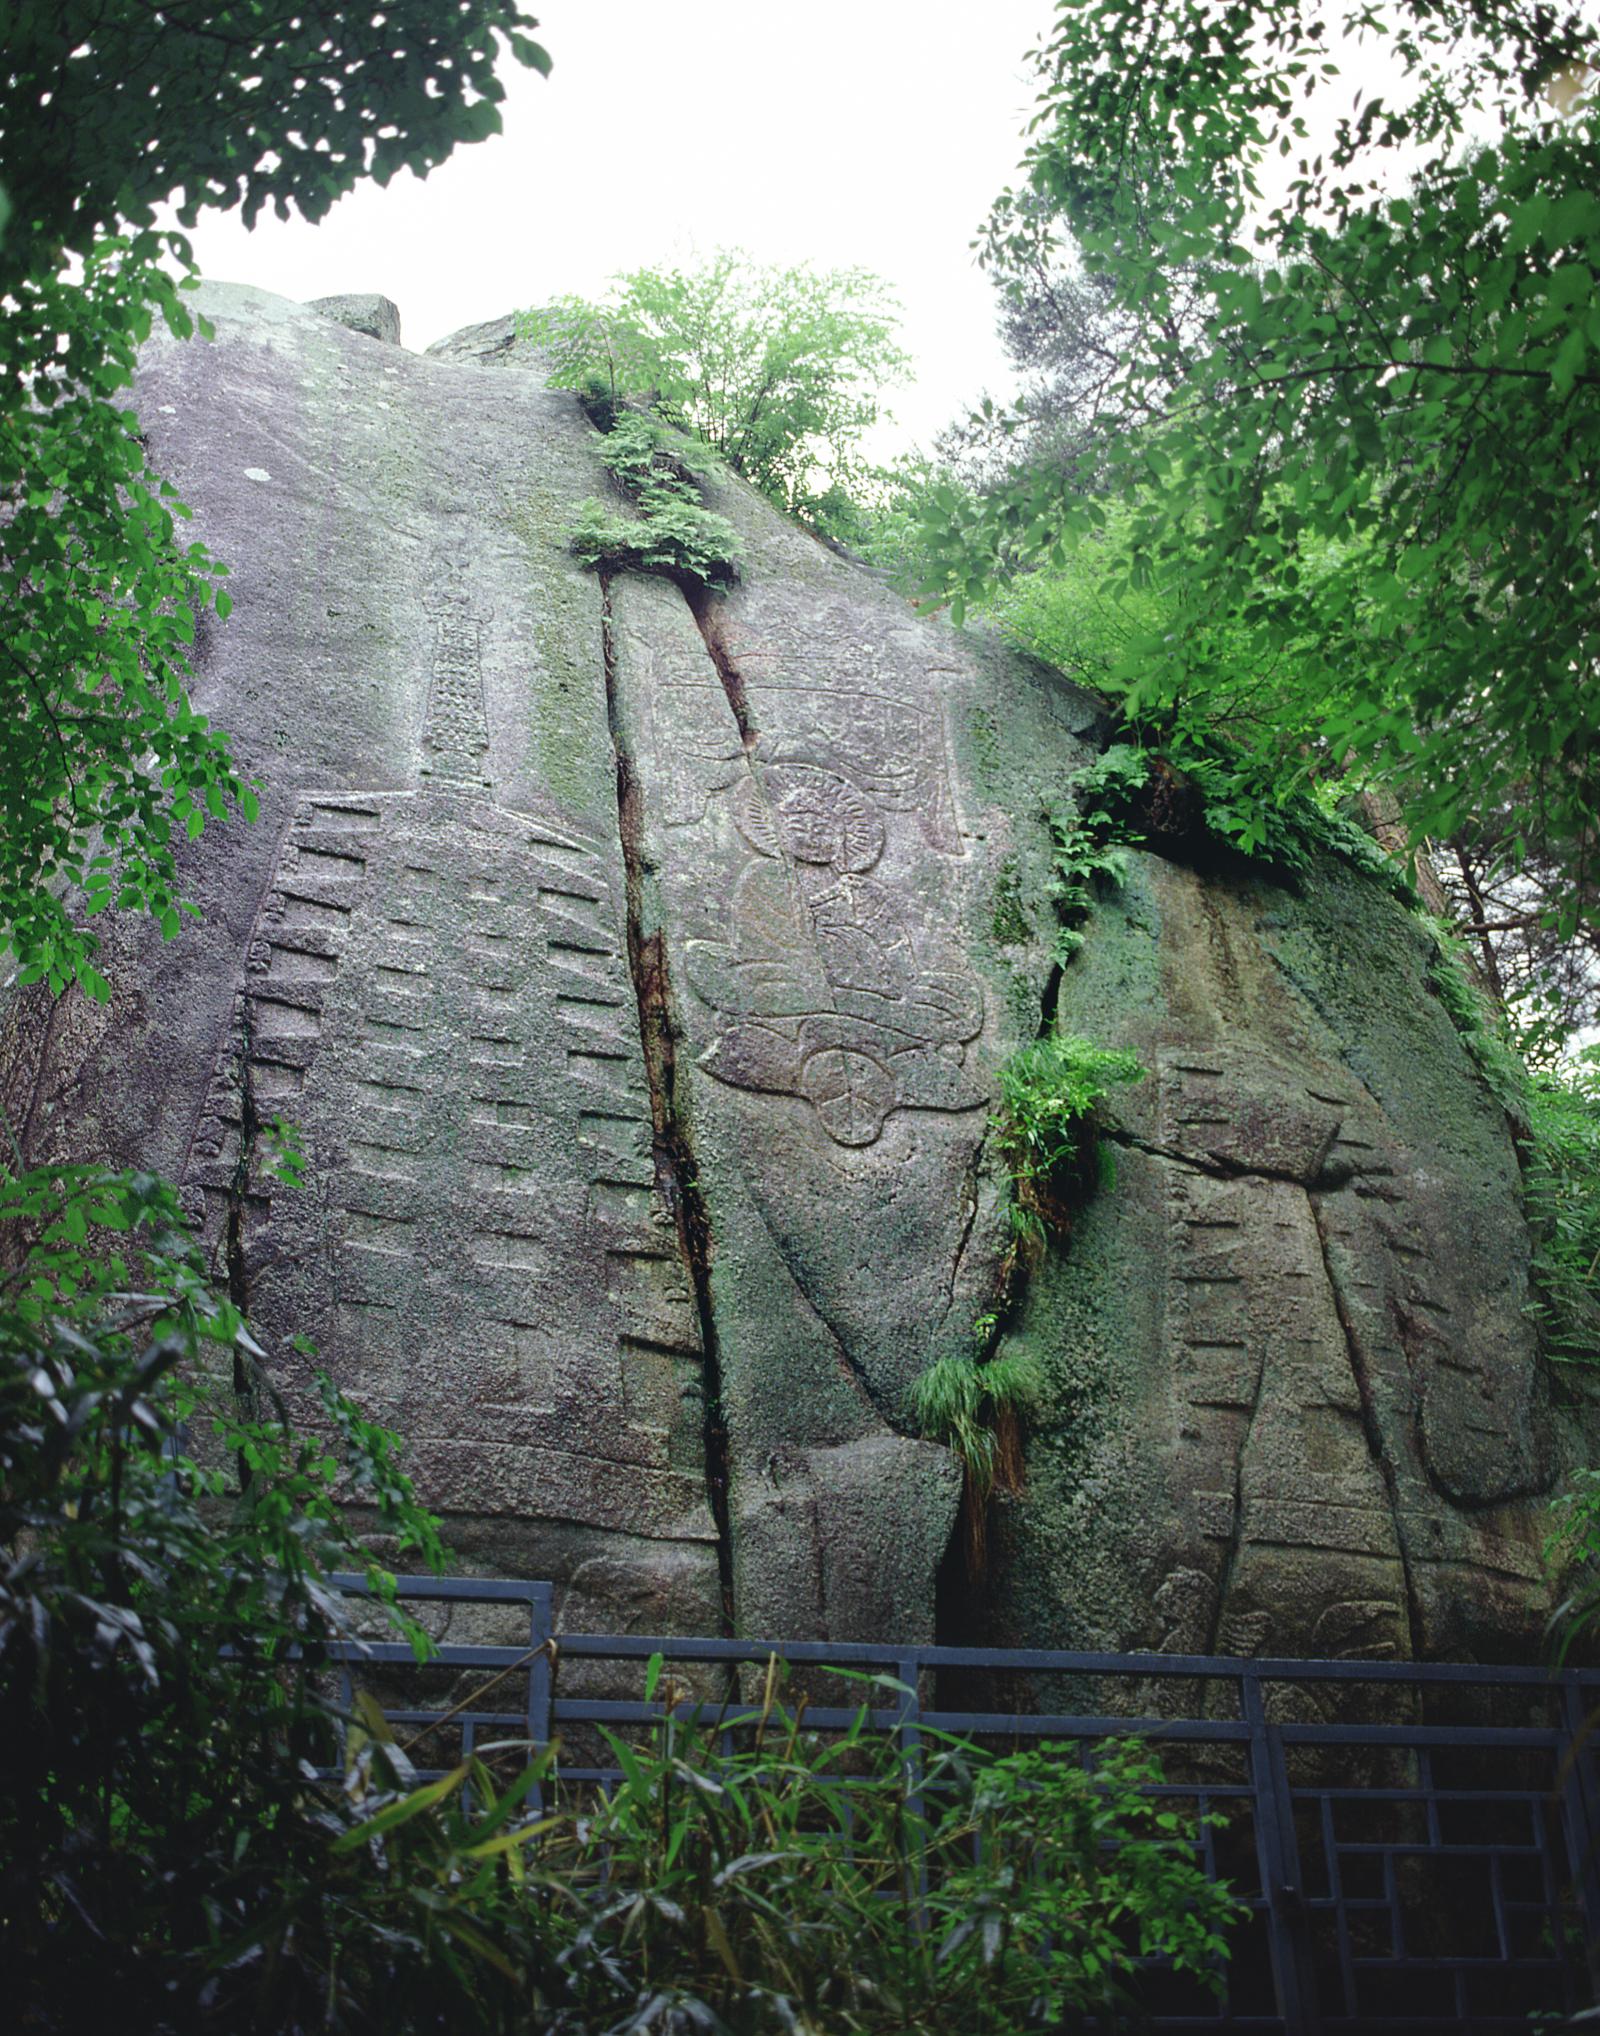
(1312, 1436)
(827, 982)
(415, 954)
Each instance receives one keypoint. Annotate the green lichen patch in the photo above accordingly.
(1011, 923)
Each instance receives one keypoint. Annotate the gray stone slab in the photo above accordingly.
(377, 317)
(637, 970)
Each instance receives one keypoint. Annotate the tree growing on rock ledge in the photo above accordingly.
(779, 371)
(1346, 451)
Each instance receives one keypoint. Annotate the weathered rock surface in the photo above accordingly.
(377, 317)
(637, 972)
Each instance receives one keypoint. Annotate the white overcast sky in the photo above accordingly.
(870, 133)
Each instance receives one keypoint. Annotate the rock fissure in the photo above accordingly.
(969, 1197)
(852, 1365)
(1214, 1170)
(702, 605)
(1371, 1428)
(1229, 1565)
(1050, 1001)
(676, 1177)
(235, 1260)
(234, 1249)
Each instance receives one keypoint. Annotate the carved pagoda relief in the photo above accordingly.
(436, 995)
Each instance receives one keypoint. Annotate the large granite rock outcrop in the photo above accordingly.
(637, 970)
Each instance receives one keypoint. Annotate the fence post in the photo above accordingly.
(908, 1731)
(1580, 1814)
(1293, 1979)
(540, 1678)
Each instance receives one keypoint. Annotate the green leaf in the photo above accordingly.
(1569, 361)
(395, 1814)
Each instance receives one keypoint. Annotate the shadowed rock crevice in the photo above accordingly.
(1373, 1430)
(677, 1180)
(969, 1212)
(702, 603)
(235, 1256)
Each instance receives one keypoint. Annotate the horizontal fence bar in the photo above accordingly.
(1332, 1734)
(853, 1653)
(447, 1589)
(886, 1655)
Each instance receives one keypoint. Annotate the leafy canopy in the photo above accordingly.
(105, 112)
(1363, 478)
(777, 370)
(105, 765)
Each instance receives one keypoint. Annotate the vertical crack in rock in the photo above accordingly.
(969, 1206)
(235, 1252)
(235, 1263)
(836, 1336)
(677, 1181)
(1369, 1422)
(1014, 1280)
(1050, 1003)
(702, 606)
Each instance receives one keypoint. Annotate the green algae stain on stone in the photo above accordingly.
(1117, 969)
(983, 740)
(1010, 921)
(569, 748)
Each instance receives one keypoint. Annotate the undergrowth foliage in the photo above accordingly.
(1561, 1180)
(190, 1828)
(746, 1875)
(1554, 1113)
(782, 1879)
(161, 1846)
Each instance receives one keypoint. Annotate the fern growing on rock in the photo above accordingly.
(674, 533)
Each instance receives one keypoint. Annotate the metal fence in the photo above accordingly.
(1418, 1844)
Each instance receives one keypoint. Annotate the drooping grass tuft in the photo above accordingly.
(975, 1409)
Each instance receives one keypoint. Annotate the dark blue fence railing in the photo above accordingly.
(1418, 1844)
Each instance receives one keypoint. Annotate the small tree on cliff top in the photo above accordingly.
(778, 370)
